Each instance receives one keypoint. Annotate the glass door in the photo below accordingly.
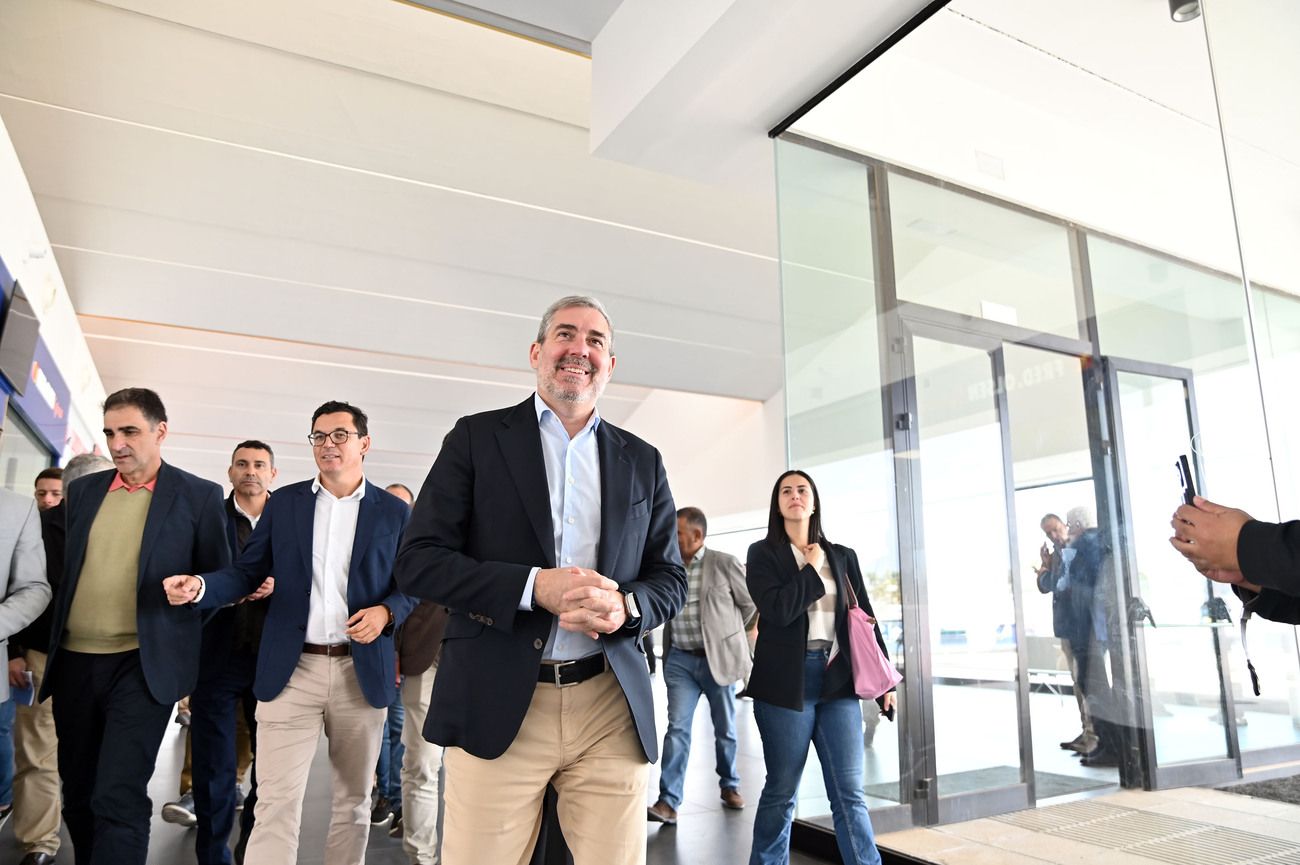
(1184, 705)
(969, 703)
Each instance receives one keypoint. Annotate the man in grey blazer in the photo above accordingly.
(705, 653)
(22, 570)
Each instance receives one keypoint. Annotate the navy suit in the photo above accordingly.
(227, 666)
(481, 523)
(281, 546)
(124, 699)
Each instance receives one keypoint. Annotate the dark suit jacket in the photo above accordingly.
(482, 522)
(237, 628)
(783, 592)
(420, 638)
(184, 533)
(281, 546)
(1269, 556)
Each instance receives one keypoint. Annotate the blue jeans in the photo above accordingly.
(391, 749)
(687, 677)
(8, 710)
(835, 728)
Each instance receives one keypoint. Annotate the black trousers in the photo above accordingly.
(213, 705)
(109, 730)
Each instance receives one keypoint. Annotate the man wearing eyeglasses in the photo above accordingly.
(326, 658)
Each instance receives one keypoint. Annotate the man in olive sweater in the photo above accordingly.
(120, 655)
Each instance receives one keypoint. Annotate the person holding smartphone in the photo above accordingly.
(802, 682)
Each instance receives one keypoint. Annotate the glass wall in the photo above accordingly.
(1013, 288)
(22, 455)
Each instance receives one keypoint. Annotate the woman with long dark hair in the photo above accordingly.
(802, 683)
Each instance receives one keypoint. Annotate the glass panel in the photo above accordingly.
(1052, 470)
(1186, 702)
(834, 405)
(21, 456)
(963, 254)
(972, 638)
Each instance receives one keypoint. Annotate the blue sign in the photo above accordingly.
(46, 403)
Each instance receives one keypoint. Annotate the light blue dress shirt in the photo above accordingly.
(573, 478)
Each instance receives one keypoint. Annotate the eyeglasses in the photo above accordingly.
(338, 436)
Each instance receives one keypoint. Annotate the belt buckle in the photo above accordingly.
(557, 667)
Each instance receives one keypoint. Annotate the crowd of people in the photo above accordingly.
(492, 628)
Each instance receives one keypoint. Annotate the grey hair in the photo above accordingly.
(84, 464)
(567, 303)
(1080, 516)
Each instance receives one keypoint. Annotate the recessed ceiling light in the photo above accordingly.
(1184, 10)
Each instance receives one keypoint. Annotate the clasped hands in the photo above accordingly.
(584, 601)
(1206, 534)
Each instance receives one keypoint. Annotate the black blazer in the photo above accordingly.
(1269, 556)
(184, 533)
(783, 592)
(281, 546)
(481, 523)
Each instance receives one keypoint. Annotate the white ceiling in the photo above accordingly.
(566, 25)
(257, 207)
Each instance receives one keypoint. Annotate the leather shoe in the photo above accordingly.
(662, 812)
(1100, 758)
(38, 859)
(731, 799)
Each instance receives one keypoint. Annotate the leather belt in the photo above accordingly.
(562, 674)
(337, 650)
(699, 653)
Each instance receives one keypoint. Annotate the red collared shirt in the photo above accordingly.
(119, 483)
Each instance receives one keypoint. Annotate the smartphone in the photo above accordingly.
(1188, 481)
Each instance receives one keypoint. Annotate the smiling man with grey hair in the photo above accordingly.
(550, 534)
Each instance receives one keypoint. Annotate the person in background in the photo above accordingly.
(36, 746)
(388, 772)
(705, 653)
(1049, 573)
(802, 682)
(49, 488)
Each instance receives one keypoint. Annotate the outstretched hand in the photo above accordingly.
(182, 589)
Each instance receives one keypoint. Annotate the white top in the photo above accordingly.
(245, 514)
(333, 530)
(821, 615)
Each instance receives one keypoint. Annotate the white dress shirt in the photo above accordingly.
(333, 530)
(573, 481)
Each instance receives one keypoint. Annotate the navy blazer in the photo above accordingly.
(482, 522)
(783, 592)
(281, 546)
(184, 533)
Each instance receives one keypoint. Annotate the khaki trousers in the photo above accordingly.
(582, 740)
(1085, 717)
(420, 765)
(36, 769)
(322, 694)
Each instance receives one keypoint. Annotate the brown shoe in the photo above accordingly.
(661, 812)
(731, 799)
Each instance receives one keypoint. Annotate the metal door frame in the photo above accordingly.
(1151, 775)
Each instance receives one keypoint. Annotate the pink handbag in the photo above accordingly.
(873, 675)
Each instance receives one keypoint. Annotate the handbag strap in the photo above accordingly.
(848, 587)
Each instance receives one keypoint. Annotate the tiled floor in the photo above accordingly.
(1188, 826)
(705, 835)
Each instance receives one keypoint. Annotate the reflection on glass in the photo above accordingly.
(1181, 662)
(836, 429)
(963, 254)
(967, 572)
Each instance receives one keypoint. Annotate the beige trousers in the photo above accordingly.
(1085, 717)
(420, 764)
(582, 740)
(36, 769)
(322, 694)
